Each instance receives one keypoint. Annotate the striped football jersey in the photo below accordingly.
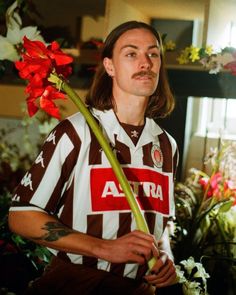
(72, 179)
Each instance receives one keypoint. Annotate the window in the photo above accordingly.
(232, 41)
(217, 118)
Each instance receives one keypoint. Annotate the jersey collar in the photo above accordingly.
(112, 126)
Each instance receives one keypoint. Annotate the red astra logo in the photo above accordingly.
(150, 188)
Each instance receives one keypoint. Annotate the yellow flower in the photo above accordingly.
(182, 59)
(209, 50)
(184, 56)
(194, 53)
(170, 45)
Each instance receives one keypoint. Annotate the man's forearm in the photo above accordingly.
(48, 231)
(54, 231)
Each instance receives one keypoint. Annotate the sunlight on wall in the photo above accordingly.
(92, 28)
(221, 16)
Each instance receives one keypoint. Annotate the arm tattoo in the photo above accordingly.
(55, 231)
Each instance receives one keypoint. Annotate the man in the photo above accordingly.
(70, 200)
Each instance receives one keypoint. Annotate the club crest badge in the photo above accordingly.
(157, 156)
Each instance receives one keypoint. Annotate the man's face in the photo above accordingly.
(135, 64)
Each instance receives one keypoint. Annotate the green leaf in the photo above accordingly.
(225, 206)
(18, 240)
(206, 223)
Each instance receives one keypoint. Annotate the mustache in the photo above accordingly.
(144, 73)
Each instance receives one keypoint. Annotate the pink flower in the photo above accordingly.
(232, 65)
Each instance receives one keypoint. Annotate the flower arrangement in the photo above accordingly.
(214, 62)
(19, 256)
(193, 277)
(205, 218)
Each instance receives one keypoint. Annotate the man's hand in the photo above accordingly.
(134, 247)
(163, 273)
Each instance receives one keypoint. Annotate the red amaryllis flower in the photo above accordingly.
(232, 65)
(38, 62)
(45, 101)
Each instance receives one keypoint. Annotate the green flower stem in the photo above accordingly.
(223, 236)
(139, 218)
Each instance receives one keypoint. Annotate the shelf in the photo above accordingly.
(185, 80)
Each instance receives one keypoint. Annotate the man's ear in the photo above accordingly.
(108, 65)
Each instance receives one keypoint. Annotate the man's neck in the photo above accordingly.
(131, 111)
(131, 118)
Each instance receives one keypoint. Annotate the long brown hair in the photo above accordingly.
(161, 102)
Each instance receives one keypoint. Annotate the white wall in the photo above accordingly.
(119, 11)
(221, 14)
(92, 28)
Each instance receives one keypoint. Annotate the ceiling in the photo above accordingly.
(171, 9)
(66, 13)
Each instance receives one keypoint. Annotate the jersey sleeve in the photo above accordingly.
(42, 186)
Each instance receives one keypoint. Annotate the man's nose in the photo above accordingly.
(145, 62)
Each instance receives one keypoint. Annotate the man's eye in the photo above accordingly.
(153, 54)
(131, 54)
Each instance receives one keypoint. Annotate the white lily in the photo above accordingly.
(186, 278)
(13, 19)
(188, 264)
(201, 273)
(7, 50)
(191, 288)
(15, 34)
(180, 275)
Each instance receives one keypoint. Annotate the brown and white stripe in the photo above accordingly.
(61, 182)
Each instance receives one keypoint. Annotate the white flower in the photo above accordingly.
(15, 34)
(201, 273)
(191, 288)
(188, 264)
(12, 17)
(7, 50)
(216, 68)
(187, 276)
(180, 275)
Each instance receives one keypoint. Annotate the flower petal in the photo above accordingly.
(14, 36)
(32, 108)
(231, 66)
(35, 48)
(31, 33)
(49, 107)
(7, 50)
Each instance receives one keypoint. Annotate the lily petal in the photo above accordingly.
(14, 36)
(7, 50)
(13, 19)
(31, 33)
